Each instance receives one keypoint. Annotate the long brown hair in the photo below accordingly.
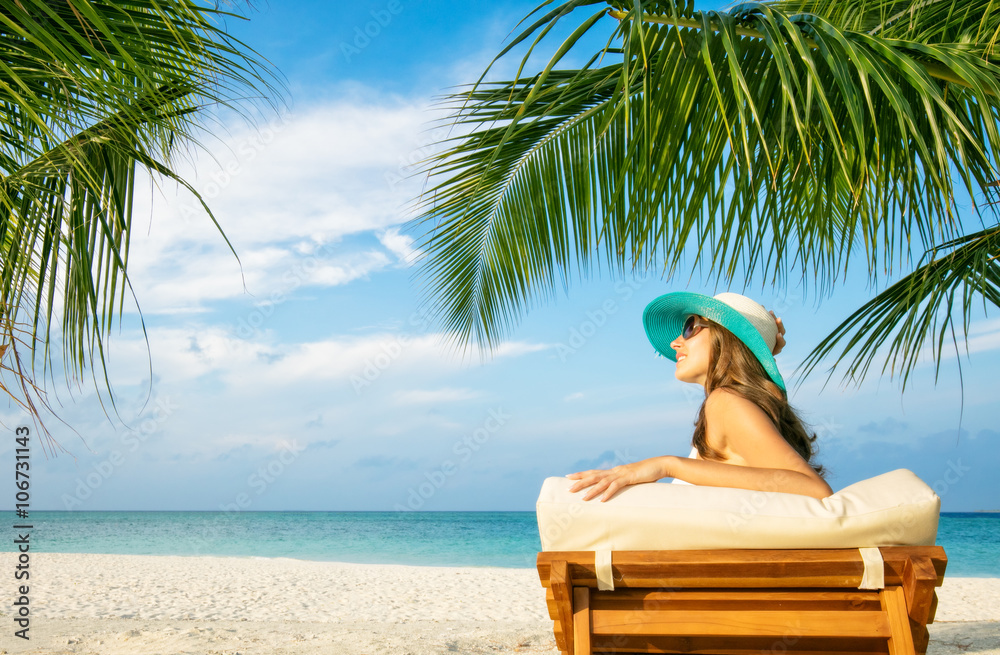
(733, 367)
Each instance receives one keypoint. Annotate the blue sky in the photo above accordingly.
(303, 377)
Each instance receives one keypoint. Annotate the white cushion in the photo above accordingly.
(893, 509)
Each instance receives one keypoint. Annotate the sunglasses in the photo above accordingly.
(692, 326)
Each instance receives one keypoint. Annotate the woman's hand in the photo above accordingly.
(611, 481)
(779, 341)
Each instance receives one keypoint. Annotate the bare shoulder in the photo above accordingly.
(748, 434)
(737, 423)
(734, 424)
(722, 403)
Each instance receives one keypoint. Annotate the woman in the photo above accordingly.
(746, 435)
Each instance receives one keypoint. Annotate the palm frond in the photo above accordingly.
(30, 397)
(90, 91)
(917, 315)
(703, 149)
(925, 21)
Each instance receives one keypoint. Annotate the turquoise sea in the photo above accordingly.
(504, 539)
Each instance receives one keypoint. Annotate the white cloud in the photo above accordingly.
(266, 443)
(400, 245)
(368, 358)
(984, 342)
(984, 336)
(195, 351)
(338, 358)
(980, 327)
(434, 396)
(287, 195)
(518, 348)
(607, 427)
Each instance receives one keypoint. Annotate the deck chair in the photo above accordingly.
(743, 601)
(681, 569)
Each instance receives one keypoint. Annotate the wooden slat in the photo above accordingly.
(787, 645)
(737, 623)
(919, 579)
(580, 560)
(550, 603)
(705, 569)
(560, 639)
(934, 606)
(742, 568)
(894, 605)
(727, 599)
(921, 637)
(563, 594)
(581, 621)
(896, 556)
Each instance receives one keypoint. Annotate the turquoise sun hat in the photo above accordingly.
(664, 319)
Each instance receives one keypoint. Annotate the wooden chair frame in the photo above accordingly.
(743, 601)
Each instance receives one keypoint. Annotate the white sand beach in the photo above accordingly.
(145, 605)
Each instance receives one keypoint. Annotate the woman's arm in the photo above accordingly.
(758, 457)
(721, 474)
(606, 483)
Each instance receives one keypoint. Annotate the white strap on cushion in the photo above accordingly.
(874, 576)
(602, 564)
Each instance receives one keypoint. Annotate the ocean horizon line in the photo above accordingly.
(358, 511)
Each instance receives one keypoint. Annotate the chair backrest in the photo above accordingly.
(742, 601)
(893, 509)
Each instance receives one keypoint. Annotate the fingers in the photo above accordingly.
(607, 482)
(584, 479)
(597, 490)
(583, 484)
(601, 482)
(611, 490)
(580, 474)
(779, 341)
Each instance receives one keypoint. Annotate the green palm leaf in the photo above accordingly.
(918, 313)
(89, 91)
(764, 141)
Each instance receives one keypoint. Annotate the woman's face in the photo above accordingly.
(693, 355)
